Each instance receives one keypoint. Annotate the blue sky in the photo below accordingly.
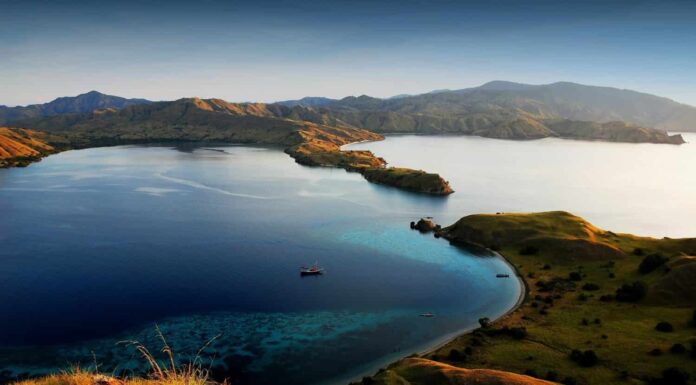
(275, 50)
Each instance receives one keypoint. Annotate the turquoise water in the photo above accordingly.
(101, 245)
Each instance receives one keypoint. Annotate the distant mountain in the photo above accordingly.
(501, 103)
(195, 119)
(88, 102)
(309, 101)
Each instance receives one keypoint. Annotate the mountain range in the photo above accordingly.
(484, 110)
(83, 103)
(497, 109)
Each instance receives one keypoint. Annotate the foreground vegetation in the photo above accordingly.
(601, 307)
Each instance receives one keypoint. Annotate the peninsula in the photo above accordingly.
(601, 307)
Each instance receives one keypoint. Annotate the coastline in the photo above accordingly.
(432, 346)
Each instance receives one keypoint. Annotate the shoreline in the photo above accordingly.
(431, 347)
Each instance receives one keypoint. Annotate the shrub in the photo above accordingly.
(587, 358)
(484, 322)
(551, 375)
(546, 267)
(651, 262)
(671, 376)
(677, 349)
(638, 252)
(531, 373)
(633, 292)
(606, 298)
(529, 250)
(518, 332)
(664, 327)
(575, 276)
(569, 381)
(455, 355)
(655, 352)
(590, 286)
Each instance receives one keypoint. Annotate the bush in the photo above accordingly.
(677, 349)
(651, 262)
(546, 267)
(633, 292)
(518, 332)
(587, 358)
(569, 381)
(484, 322)
(638, 252)
(575, 276)
(551, 376)
(655, 352)
(456, 355)
(664, 327)
(531, 373)
(590, 286)
(671, 376)
(529, 250)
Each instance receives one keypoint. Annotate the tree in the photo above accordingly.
(664, 326)
(633, 292)
(484, 322)
(651, 262)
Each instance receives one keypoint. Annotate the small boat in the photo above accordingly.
(427, 315)
(312, 270)
(502, 275)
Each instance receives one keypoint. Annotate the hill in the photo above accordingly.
(312, 139)
(86, 102)
(19, 147)
(593, 304)
(521, 111)
(419, 371)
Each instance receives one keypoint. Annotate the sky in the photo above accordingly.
(276, 50)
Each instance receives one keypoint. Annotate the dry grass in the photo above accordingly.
(162, 372)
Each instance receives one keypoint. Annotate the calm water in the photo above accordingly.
(99, 245)
(645, 189)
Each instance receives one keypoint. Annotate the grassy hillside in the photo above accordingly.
(483, 110)
(19, 147)
(595, 300)
(311, 138)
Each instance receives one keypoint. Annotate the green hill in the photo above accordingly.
(600, 307)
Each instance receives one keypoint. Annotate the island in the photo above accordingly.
(600, 308)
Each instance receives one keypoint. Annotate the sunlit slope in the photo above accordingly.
(601, 307)
(18, 147)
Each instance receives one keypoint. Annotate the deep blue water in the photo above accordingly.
(97, 246)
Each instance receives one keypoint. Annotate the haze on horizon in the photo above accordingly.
(276, 50)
